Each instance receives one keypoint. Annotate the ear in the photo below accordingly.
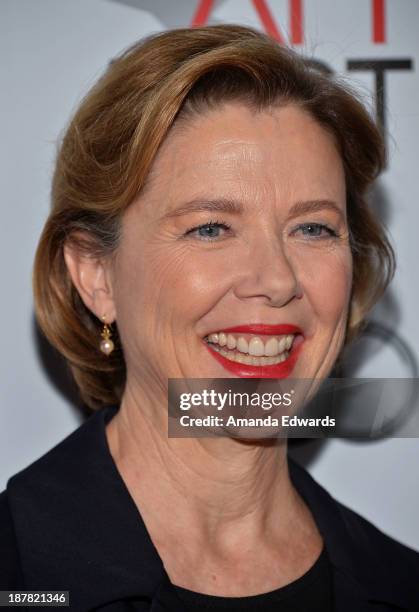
(92, 276)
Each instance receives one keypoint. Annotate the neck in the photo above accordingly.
(221, 488)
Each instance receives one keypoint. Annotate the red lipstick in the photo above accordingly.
(280, 370)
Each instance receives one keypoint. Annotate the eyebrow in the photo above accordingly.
(235, 207)
(301, 208)
(220, 205)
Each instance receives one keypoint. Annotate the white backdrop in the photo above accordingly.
(52, 51)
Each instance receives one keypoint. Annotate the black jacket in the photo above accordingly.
(67, 522)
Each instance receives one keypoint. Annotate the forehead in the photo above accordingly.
(276, 155)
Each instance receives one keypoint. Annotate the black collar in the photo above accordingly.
(78, 529)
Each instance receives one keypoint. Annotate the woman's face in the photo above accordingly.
(268, 191)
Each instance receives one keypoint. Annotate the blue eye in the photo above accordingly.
(211, 231)
(316, 230)
(208, 231)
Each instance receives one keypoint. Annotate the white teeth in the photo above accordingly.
(251, 359)
(281, 344)
(231, 342)
(242, 345)
(271, 347)
(256, 347)
(289, 341)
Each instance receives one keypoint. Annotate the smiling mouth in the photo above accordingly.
(252, 350)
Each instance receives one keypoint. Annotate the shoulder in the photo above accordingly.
(76, 526)
(400, 557)
(34, 503)
(10, 569)
(387, 569)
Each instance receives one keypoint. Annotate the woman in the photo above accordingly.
(208, 190)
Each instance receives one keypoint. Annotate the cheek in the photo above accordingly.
(167, 287)
(326, 278)
(193, 279)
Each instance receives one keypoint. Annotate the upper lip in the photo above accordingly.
(263, 329)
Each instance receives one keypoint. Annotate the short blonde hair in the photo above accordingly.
(111, 142)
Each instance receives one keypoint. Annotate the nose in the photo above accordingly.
(268, 273)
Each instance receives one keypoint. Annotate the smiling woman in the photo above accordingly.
(208, 221)
(184, 126)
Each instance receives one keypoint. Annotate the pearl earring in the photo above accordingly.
(106, 345)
